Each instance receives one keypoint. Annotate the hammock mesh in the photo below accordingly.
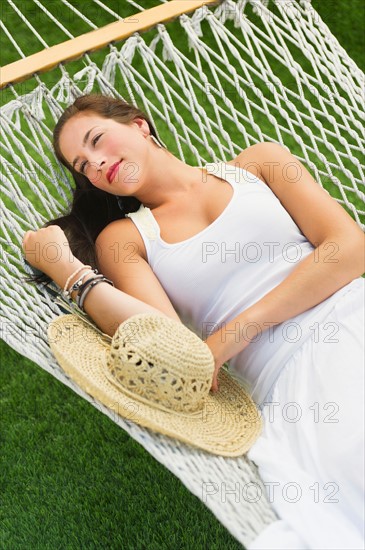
(207, 103)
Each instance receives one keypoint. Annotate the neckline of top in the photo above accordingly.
(214, 222)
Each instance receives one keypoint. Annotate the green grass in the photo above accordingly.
(70, 478)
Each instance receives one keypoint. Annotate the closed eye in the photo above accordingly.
(96, 139)
(94, 142)
(82, 166)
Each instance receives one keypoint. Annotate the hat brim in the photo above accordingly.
(228, 424)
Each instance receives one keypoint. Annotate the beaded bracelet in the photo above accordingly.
(72, 276)
(76, 286)
(93, 282)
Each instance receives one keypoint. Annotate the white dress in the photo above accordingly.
(305, 375)
(311, 454)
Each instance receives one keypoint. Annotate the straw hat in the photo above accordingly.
(157, 373)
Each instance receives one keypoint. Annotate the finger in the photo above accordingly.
(25, 238)
(214, 386)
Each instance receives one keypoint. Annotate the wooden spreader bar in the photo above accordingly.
(94, 40)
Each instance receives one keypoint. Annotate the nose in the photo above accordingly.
(96, 169)
(101, 163)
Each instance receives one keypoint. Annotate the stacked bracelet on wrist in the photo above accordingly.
(82, 289)
(76, 286)
(65, 292)
(86, 287)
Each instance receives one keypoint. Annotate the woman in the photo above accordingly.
(256, 258)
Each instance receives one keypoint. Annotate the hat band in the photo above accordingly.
(148, 402)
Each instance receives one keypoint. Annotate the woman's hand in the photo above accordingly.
(215, 345)
(217, 367)
(223, 349)
(48, 250)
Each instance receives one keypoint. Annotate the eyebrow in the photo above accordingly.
(84, 141)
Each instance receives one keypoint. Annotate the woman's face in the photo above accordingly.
(110, 154)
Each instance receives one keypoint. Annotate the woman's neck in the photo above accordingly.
(168, 181)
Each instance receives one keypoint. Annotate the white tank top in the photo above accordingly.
(213, 276)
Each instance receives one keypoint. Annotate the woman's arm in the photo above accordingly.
(106, 305)
(122, 258)
(339, 256)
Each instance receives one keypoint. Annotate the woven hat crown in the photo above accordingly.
(158, 360)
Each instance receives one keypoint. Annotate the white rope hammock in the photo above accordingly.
(208, 103)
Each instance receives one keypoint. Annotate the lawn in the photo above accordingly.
(70, 478)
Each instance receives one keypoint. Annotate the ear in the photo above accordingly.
(142, 125)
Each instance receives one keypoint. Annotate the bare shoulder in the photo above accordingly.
(253, 158)
(121, 238)
(312, 208)
(257, 151)
(122, 258)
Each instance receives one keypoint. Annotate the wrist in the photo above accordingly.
(64, 271)
(221, 349)
(229, 340)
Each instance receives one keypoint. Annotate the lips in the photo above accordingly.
(110, 175)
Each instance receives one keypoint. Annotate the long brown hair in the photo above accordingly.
(91, 209)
